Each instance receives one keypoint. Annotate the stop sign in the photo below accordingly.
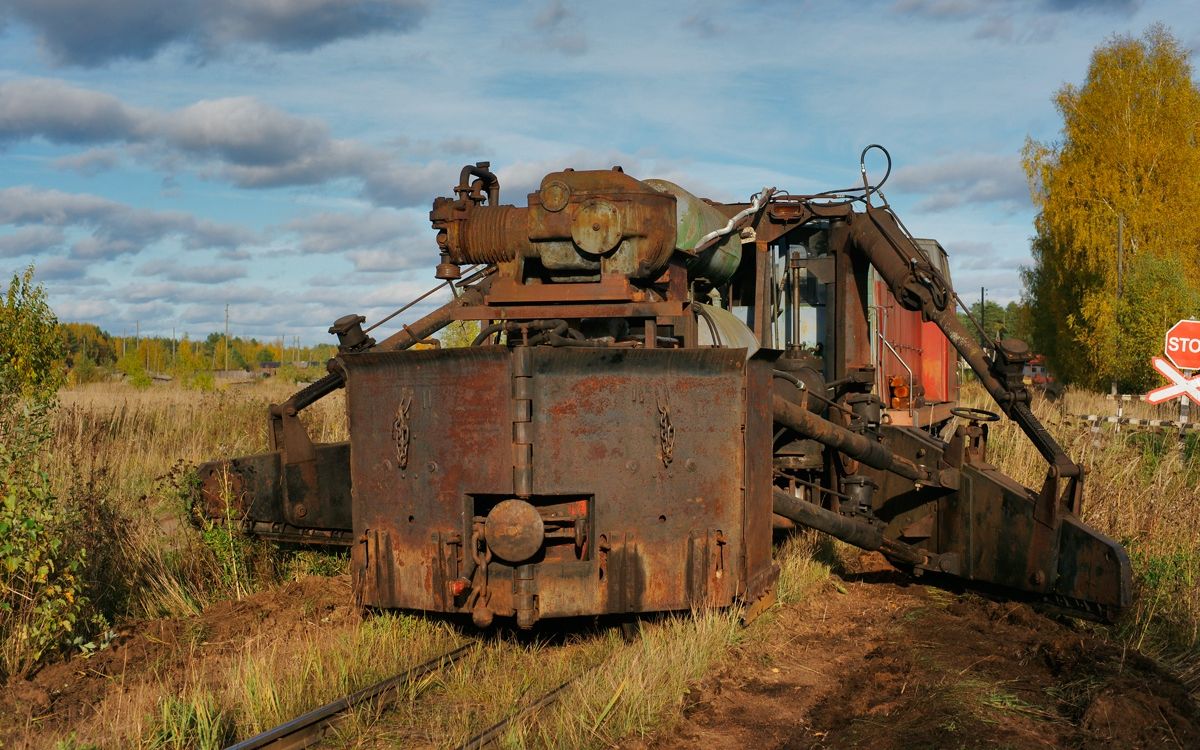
(1183, 345)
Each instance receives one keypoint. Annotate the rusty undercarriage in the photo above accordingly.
(658, 382)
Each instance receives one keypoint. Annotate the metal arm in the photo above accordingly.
(920, 287)
(402, 339)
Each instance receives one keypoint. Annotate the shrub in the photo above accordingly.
(43, 604)
(31, 349)
(200, 381)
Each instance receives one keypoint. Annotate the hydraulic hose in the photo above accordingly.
(402, 339)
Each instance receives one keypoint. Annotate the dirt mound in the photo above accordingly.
(894, 664)
(168, 651)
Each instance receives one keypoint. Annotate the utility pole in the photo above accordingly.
(226, 336)
(983, 316)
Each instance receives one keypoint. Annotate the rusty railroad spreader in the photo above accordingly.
(658, 382)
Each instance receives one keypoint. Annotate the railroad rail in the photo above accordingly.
(492, 733)
(311, 727)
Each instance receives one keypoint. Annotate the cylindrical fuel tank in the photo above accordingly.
(717, 327)
(693, 219)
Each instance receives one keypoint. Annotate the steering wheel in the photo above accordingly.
(975, 415)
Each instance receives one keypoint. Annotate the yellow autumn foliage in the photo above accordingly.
(1128, 164)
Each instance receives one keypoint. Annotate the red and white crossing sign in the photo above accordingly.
(1181, 385)
(1182, 345)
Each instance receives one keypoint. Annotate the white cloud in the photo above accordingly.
(90, 33)
(239, 139)
(965, 179)
(116, 229)
(34, 240)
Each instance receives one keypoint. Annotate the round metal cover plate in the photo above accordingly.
(514, 530)
(597, 227)
(555, 195)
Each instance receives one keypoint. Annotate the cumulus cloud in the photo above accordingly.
(84, 308)
(954, 9)
(702, 25)
(330, 232)
(977, 256)
(966, 179)
(1127, 7)
(1010, 20)
(173, 270)
(116, 229)
(940, 8)
(240, 130)
(239, 139)
(383, 261)
(558, 28)
(91, 33)
(380, 240)
(62, 269)
(30, 241)
(62, 113)
(89, 163)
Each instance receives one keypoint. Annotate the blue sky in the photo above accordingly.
(161, 160)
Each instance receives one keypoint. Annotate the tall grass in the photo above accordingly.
(123, 457)
(133, 437)
(1143, 489)
(124, 453)
(616, 688)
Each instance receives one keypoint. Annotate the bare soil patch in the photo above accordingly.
(873, 660)
(881, 661)
(167, 652)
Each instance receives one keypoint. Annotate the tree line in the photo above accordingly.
(90, 354)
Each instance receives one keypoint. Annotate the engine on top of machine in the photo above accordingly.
(658, 382)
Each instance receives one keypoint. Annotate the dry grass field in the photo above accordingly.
(222, 637)
(214, 637)
(1143, 489)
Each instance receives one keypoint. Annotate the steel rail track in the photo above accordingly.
(493, 732)
(309, 728)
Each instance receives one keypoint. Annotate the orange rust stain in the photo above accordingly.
(590, 395)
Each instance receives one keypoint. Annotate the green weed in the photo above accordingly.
(194, 722)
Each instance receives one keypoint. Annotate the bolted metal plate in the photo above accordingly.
(514, 530)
